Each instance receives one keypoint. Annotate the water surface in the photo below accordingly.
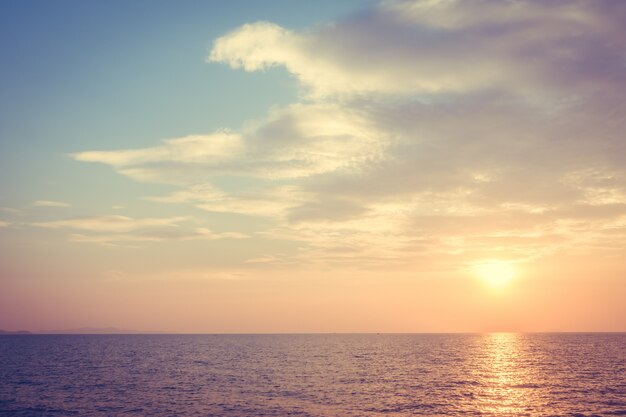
(314, 375)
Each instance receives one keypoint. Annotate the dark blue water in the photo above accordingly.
(313, 375)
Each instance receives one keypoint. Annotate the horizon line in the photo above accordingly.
(70, 332)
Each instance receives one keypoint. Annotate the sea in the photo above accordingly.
(499, 374)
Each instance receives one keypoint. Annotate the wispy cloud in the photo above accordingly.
(4, 224)
(12, 211)
(113, 228)
(178, 275)
(266, 202)
(111, 223)
(50, 203)
(293, 142)
(156, 236)
(175, 158)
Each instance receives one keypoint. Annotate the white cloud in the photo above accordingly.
(49, 203)
(156, 236)
(175, 156)
(115, 229)
(118, 224)
(4, 224)
(12, 211)
(191, 149)
(297, 141)
(271, 202)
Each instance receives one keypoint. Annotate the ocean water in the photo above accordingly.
(314, 375)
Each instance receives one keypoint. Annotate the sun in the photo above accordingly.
(495, 273)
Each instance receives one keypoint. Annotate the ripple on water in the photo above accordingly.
(314, 375)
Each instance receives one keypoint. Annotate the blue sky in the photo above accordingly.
(108, 75)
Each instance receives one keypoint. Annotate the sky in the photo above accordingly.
(297, 166)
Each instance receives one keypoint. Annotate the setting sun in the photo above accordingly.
(495, 273)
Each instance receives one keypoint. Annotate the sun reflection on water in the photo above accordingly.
(510, 383)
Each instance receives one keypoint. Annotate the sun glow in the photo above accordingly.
(495, 273)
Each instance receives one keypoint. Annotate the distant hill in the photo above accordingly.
(92, 330)
(9, 332)
(81, 330)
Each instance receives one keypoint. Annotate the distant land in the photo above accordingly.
(90, 330)
(8, 332)
(82, 330)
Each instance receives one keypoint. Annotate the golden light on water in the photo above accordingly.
(495, 273)
(508, 383)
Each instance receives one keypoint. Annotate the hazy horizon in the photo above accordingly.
(115, 331)
(313, 167)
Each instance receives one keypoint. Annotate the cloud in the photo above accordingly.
(176, 156)
(12, 211)
(4, 224)
(430, 131)
(111, 223)
(178, 275)
(49, 203)
(328, 209)
(156, 236)
(268, 202)
(293, 142)
(119, 229)
(424, 47)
